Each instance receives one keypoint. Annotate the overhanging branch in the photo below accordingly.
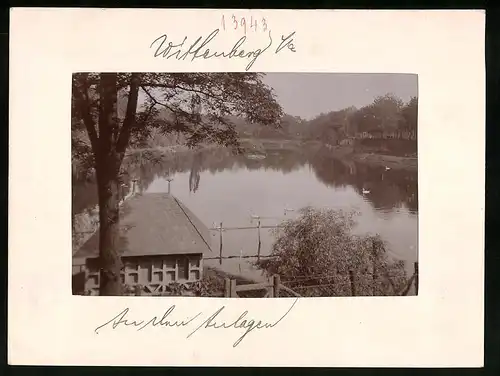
(144, 85)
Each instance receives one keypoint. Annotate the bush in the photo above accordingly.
(315, 253)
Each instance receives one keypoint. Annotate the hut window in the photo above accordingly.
(183, 268)
(170, 276)
(194, 262)
(195, 274)
(157, 264)
(157, 277)
(170, 263)
(132, 278)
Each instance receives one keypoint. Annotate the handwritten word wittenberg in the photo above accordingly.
(242, 322)
(199, 48)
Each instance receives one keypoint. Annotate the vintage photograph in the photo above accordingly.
(259, 185)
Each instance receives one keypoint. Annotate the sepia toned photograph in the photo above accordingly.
(257, 185)
(188, 180)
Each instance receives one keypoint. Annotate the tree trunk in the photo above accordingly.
(109, 236)
(107, 168)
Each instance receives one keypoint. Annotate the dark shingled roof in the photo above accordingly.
(154, 224)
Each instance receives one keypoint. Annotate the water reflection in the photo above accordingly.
(388, 189)
(219, 186)
(194, 176)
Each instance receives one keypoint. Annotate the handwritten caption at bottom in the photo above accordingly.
(212, 321)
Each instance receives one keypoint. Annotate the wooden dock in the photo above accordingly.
(160, 241)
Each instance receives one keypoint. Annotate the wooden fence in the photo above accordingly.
(273, 287)
(220, 228)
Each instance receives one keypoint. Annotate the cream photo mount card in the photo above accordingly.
(201, 184)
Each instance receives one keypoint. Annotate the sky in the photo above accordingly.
(309, 94)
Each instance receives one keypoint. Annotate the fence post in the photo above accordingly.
(276, 285)
(227, 288)
(232, 293)
(239, 264)
(134, 186)
(220, 241)
(353, 285)
(415, 265)
(169, 179)
(270, 289)
(258, 249)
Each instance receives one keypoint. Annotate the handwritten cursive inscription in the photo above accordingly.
(120, 320)
(213, 321)
(286, 42)
(249, 325)
(199, 48)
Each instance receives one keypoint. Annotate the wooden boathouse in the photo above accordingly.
(160, 241)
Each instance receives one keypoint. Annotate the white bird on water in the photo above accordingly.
(387, 168)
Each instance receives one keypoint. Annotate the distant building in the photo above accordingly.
(363, 135)
(381, 134)
(347, 142)
(161, 241)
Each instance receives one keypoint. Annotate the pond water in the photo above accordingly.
(220, 187)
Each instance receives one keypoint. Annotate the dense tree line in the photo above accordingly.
(386, 117)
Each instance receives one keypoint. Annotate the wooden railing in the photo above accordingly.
(258, 228)
(271, 288)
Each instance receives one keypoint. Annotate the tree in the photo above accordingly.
(315, 252)
(365, 119)
(410, 114)
(197, 105)
(387, 110)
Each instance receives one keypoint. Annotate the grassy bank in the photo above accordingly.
(375, 159)
(393, 162)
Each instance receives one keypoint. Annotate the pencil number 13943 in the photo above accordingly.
(243, 23)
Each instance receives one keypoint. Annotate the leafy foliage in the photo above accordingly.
(200, 106)
(409, 114)
(315, 253)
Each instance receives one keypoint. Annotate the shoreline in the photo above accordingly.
(393, 162)
(376, 159)
(340, 152)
